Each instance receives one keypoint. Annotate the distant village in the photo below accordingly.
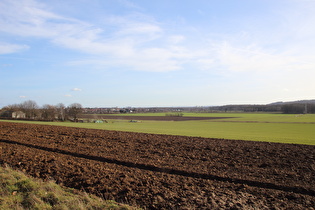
(294, 107)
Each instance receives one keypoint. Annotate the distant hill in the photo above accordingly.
(294, 102)
(288, 107)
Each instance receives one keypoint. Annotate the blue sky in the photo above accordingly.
(107, 53)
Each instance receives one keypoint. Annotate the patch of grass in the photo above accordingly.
(18, 191)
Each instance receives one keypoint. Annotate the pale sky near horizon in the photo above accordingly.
(139, 53)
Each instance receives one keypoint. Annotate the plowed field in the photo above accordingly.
(155, 118)
(162, 171)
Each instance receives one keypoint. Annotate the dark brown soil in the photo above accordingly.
(163, 171)
(156, 118)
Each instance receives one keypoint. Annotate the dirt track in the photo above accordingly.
(162, 171)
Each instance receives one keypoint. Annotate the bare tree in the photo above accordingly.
(61, 111)
(30, 108)
(49, 112)
(73, 110)
(13, 107)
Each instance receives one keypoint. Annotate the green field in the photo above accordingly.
(298, 129)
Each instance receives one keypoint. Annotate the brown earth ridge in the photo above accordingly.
(155, 118)
(164, 171)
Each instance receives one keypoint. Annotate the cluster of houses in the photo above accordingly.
(117, 110)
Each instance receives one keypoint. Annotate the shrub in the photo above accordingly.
(180, 114)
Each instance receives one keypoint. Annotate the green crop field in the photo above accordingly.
(259, 117)
(298, 129)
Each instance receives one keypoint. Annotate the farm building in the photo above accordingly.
(13, 114)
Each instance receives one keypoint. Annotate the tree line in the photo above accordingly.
(298, 108)
(48, 112)
(285, 108)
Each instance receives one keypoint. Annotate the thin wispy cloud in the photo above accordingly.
(7, 48)
(252, 59)
(76, 89)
